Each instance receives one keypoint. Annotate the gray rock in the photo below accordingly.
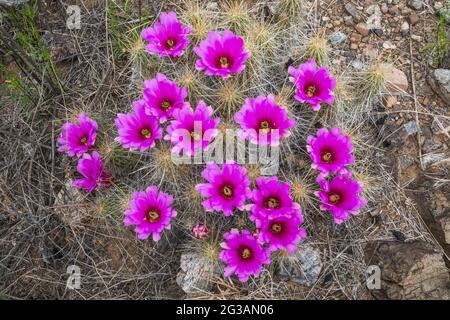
(12, 3)
(337, 38)
(357, 64)
(374, 20)
(430, 159)
(415, 4)
(348, 20)
(351, 9)
(405, 161)
(404, 28)
(440, 125)
(302, 267)
(411, 127)
(395, 137)
(439, 80)
(197, 273)
(431, 145)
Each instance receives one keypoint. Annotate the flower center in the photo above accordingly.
(265, 126)
(224, 63)
(272, 203)
(245, 253)
(227, 191)
(146, 133)
(153, 215)
(165, 105)
(170, 43)
(327, 156)
(334, 198)
(311, 91)
(83, 140)
(276, 228)
(196, 136)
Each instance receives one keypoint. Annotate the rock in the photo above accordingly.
(378, 32)
(445, 224)
(374, 20)
(302, 267)
(384, 8)
(395, 79)
(12, 3)
(416, 38)
(197, 273)
(355, 37)
(440, 125)
(395, 136)
(389, 101)
(431, 159)
(357, 64)
(61, 45)
(388, 45)
(413, 19)
(411, 127)
(405, 161)
(415, 4)
(439, 81)
(439, 203)
(69, 205)
(362, 28)
(438, 5)
(393, 10)
(430, 143)
(351, 9)
(348, 20)
(409, 270)
(337, 38)
(404, 28)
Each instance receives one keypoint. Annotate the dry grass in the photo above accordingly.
(46, 226)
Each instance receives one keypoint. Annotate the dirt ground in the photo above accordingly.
(45, 225)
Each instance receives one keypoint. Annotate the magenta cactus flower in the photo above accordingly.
(281, 231)
(262, 121)
(138, 130)
(78, 139)
(243, 255)
(340, 197)
(271, 197)
(168, 37)
(314, 85)
(163, 97)
(151, 212)
(330, 151)
(227, 188)
(200, 231)
(95, 175)
(221, 54)
(192, 130)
